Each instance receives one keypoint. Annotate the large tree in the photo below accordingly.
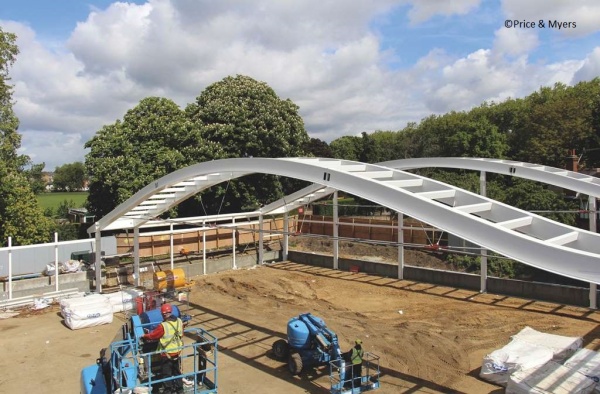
(20, 215)
(70, 177)
(248, 119)
(318, 148)
(153, 140)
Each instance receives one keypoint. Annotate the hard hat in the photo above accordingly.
(358, 342)
(166, 308)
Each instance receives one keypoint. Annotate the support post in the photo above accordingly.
(592, 206)
(98, 262)
(400, 246)
(483, 257)
(233, 243)
(260, 239)
(286, 235)
(204, 248)
(10, 288)
(336, 240)
(56, 262)
(171, 246)
(136, 255)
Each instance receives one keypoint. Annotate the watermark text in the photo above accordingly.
(540, 24)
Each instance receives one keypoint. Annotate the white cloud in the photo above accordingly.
(590, 68)
(515, 42)
(484, 76)
(422, 10)
(323, 56)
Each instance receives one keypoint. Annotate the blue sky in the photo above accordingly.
(351, 66)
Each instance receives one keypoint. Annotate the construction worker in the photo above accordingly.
(169, 334)
(354, 357)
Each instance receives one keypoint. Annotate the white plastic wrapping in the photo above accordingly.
(515, 356)
(587, 362)
(124, 300)
(88, 311)
(550, 378)
(562, 347)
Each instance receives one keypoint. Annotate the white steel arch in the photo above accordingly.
(517, 234)
(571, 180)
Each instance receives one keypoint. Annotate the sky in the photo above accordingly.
(352, 66)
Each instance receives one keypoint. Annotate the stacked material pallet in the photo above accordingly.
(550, 378)
(527, 352)
(587, 362)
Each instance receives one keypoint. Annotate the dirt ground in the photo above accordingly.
(431, 339)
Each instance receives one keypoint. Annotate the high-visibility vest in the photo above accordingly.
(356, 357)
(171, 341)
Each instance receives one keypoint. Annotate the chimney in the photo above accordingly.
(572, 162)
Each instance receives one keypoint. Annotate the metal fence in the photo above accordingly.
(33, 259)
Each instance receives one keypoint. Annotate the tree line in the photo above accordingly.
(241, 117)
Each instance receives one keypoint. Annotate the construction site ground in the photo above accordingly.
(431, 339)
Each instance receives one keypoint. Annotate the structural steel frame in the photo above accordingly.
(511, 232)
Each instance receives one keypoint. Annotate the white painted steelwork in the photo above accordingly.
(514, 233)
(571, 180)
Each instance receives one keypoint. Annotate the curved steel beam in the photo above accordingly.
(517, 234)
(571, 180)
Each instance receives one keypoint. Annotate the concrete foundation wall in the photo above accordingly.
(569, 295)
(84, 281)
(45, 284)
(561, 294)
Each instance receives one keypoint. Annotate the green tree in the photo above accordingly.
(556, 120)
(532, 196)
(70, 177)
(248, 119)
(318, 148)
(35, 175)
(388, 146)
(20, 215)
(347, 148)
(153, 140)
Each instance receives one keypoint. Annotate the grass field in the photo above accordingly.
(53, 200)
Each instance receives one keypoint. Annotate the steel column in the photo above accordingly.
(400, 245)
(98, 262)
(172, 256)
(336, 242)
(204, 248)
(233, 242)
(483, 258)
(10, 288)
(286, 235)
(592, 206)
(56, 261)
(136, 255)
(260, 239)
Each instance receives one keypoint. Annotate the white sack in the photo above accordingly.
(89, 311)
(91, 299)
(550, 378)
(70, 266)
